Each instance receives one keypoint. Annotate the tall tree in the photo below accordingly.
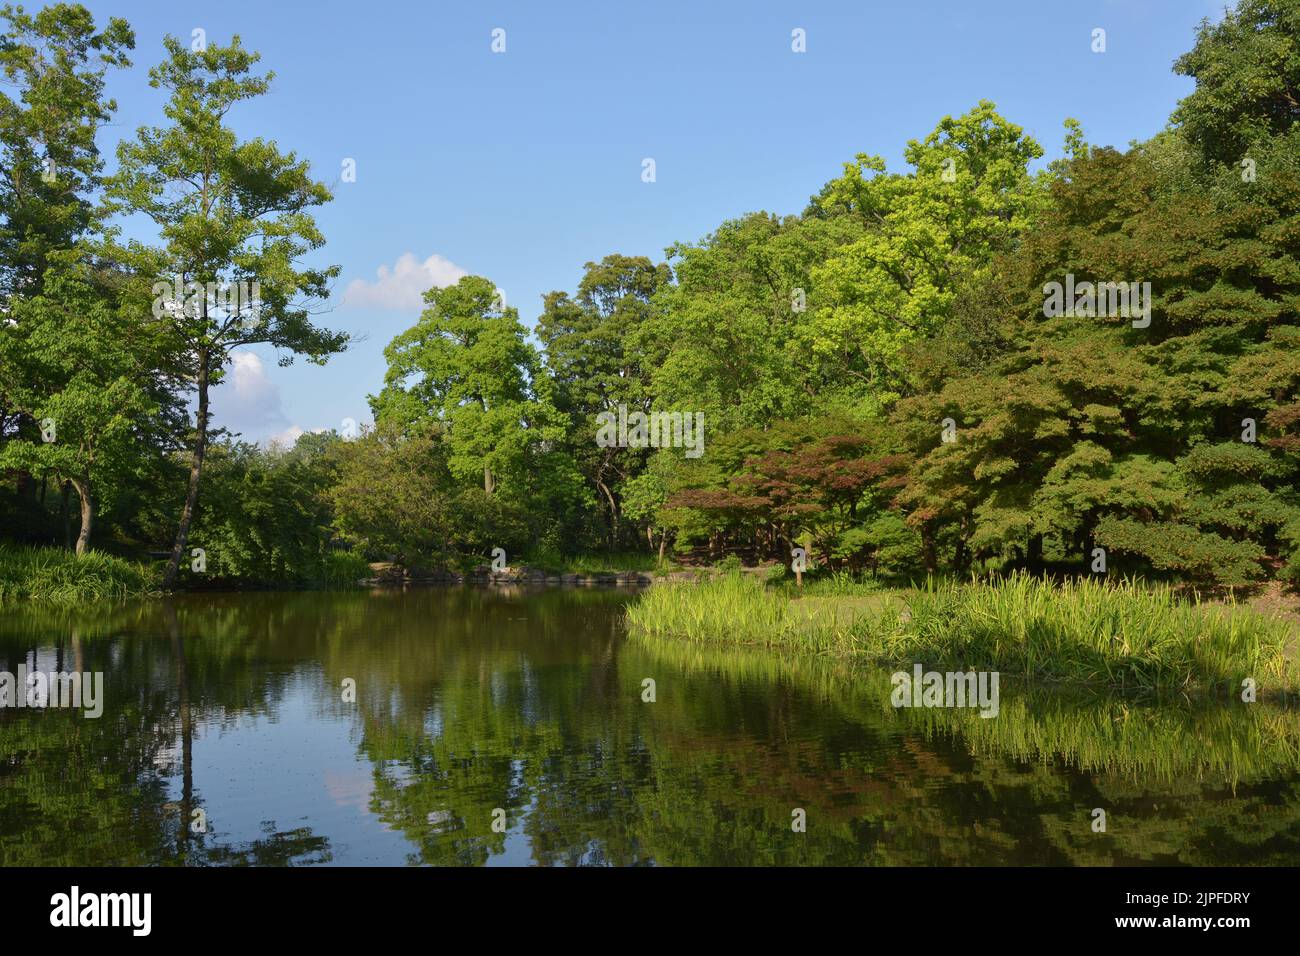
(231, 214)
(54, 63)
(591, 355)
(84, 368)
(467, 365)
(1247, 72)
(969, 196)
(730, 338)
(1145, 435)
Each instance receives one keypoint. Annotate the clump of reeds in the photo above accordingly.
(61, 577)
(1085, 632)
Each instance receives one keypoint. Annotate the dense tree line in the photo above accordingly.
(97, 360)
(882, 378)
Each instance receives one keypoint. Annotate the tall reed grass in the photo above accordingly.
(1086, 632)
(548, 559)
(732, 609)
(342, 570)
(61, 577)
(836, 584)
(1089, 631)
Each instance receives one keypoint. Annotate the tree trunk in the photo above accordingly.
(489, 485)
(196, 469)
(969, 554)
(67, 520)
(929, 555)
(1035, 556)
(613, 514)
(87, 513)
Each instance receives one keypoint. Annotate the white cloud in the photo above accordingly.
(254, 392)
(402, 287)
(248, 402)
(285, 439)
(289, 437)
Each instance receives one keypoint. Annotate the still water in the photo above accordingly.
(228, 737)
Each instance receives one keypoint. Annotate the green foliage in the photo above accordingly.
(55, 63)
(1184, 550)
(343, 569)
(466, 365)
(73, 361)
(729, 337)
(881, 381)
(552, 561)
(1290, 572)
(60, 577)
(732, 609)
(969, 196)
(265, 518)
(894, 545)
(1247, 72)
(1086, 430)
(594, 365)
(1091, 632)
(482, 522)
(391, 497)
(228, 213)
(836, 584)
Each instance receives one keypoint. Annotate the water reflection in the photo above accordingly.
(471, 702)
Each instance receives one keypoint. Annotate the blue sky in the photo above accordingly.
(523, 165)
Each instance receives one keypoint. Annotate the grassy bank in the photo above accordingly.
(614, 563)
(58, 576)
(1084, 632)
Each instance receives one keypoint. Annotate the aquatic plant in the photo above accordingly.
(1087, 632)
(58, 576)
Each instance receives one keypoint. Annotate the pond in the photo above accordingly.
(465, 726)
